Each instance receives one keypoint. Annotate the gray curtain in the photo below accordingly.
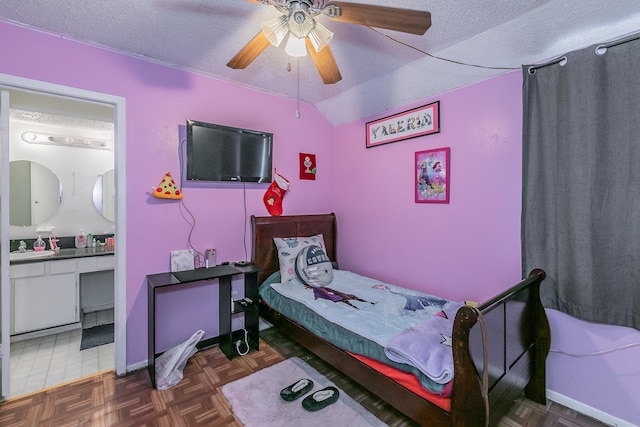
(581, 182)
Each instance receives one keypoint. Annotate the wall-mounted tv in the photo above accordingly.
(220, 153)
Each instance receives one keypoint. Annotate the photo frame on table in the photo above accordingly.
(432, 175)
(419, 121)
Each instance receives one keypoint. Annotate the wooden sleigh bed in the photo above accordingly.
(499, 349)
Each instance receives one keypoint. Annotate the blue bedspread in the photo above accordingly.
(375, 310)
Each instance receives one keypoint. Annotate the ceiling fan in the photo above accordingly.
(305, 33)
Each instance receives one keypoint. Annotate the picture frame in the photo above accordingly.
(432, 175)
(308, 166)
(413, 123)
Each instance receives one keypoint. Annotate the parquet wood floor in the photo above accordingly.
(108, 400)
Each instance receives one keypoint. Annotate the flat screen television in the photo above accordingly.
(220, 153)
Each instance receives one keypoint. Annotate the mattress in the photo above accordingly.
(360, 325)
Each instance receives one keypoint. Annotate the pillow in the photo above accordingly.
(288, 249)
(313, 267)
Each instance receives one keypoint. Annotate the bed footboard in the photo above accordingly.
(516, 339)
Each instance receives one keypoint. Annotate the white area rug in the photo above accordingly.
(256, 400)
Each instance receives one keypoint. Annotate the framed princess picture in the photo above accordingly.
(432, 175)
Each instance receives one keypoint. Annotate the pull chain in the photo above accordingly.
(297, 83)
(298, 92)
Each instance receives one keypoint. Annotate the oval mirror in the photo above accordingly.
(35, 193)
(104, 195)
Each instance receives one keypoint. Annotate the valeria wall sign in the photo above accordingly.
(419, 121)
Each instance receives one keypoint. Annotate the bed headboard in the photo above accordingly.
(264, 254)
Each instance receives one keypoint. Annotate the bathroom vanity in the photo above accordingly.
(46, 293)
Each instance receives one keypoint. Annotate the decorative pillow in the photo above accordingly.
(288, 248)
(313, 267)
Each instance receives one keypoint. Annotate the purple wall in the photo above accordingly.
(611, 382)
(158, 102)
(468, 249)
(383, 233)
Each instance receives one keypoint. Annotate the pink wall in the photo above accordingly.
(158, 102)
(470, 248)
(383, 233)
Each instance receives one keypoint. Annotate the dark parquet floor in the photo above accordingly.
(108, 400)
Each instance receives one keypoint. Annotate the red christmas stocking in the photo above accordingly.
(275, 193)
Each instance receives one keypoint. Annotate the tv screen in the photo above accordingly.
(221, 153)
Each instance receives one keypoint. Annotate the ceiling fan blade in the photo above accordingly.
(325, 63)
(249, 52)
(390, 18)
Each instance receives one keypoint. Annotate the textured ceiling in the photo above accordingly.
(378, 72)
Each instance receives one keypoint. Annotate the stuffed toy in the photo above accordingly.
(167, 189)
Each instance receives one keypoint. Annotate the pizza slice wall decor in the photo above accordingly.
(167, 189)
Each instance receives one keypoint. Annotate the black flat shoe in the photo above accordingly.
(296, 389)
(320, 399)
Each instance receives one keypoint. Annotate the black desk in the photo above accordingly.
(223, 274)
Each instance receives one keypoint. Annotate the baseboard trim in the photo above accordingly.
(209, 342)
(44, 332)
(587, 410)
(140, 365)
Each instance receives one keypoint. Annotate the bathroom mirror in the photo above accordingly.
(104, 195)
(35, 193)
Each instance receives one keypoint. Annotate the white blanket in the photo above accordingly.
(427, 346)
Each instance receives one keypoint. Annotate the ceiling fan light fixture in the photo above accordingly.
(296, 46)
(301, 23)
(297, 22)
(276, 29)
(320, 37)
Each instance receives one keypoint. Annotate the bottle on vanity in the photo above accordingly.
(39, 245)
(81, 240)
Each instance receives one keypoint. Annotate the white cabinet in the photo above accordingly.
(44, 295)
(47, 294)
(44, 301)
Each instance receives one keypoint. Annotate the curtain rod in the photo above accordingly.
(601, 49)
(562, 60)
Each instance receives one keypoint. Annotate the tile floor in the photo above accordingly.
(44, 362)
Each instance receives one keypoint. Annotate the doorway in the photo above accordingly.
(60, 99)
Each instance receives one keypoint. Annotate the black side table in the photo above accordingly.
(223, 274)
